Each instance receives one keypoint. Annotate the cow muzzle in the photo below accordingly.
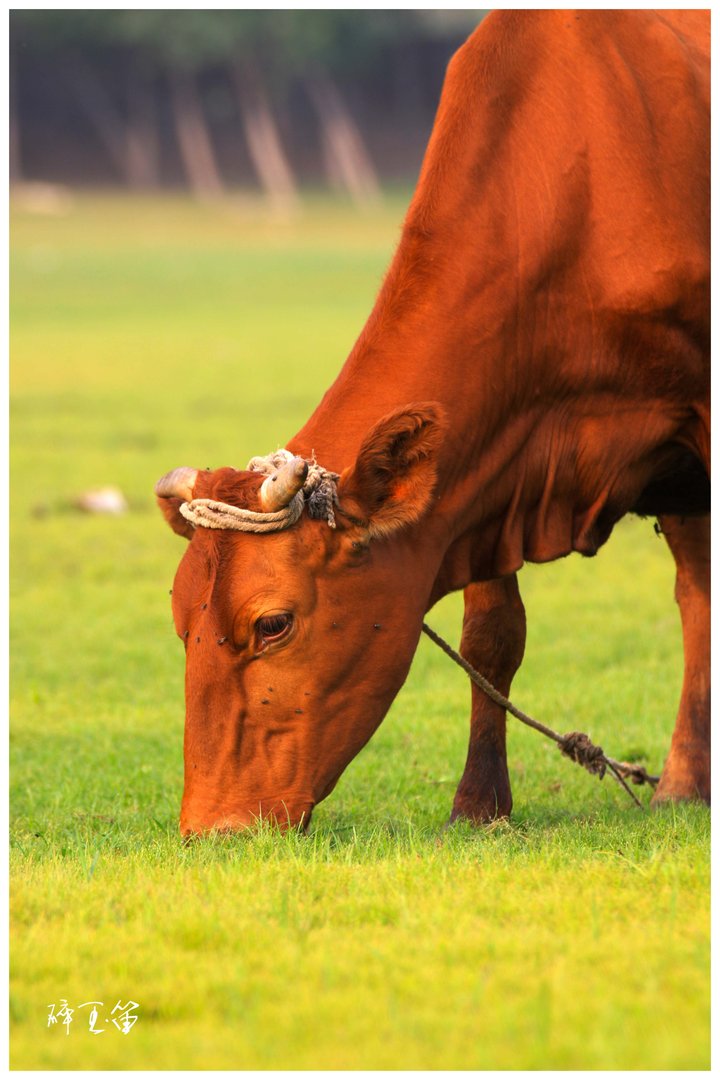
(279, 813)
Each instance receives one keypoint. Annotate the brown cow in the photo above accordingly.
(535, 367)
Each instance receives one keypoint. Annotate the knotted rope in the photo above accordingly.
(575, 745)
(318, 494)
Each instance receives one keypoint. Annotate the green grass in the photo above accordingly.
(148, 334)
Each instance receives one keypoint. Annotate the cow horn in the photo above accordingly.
(280, 487)
(177, 484)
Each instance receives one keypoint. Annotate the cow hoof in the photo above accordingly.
(684, 779)
(668, 794)
(482, 812)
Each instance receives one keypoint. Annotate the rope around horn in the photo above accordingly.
(575, 745)
(318, 494)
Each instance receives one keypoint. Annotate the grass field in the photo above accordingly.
(146, 334)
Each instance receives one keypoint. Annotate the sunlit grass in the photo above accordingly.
(148, 334)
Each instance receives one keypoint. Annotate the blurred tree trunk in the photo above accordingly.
(263, 139)
(347, 159)
(95, 102)
(142, 143)
(16, 172)
(130, 144)
(407, 85)
(193, 135)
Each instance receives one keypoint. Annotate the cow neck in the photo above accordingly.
(547, 444)
(539, 459)
(504, 476)
(447, 326)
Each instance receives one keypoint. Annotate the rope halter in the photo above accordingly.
(318, 494)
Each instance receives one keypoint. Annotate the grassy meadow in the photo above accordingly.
(150, 333)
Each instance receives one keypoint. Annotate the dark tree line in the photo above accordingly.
(211, 97)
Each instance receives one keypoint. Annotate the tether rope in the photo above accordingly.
(575, 745)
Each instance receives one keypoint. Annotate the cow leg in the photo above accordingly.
(687, 770)
(493, 641)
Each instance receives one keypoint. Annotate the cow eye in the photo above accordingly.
(271, 628)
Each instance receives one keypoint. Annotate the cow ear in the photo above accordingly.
(172, 490)
(392, 481)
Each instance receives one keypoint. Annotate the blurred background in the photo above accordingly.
(209, 100)
(203, 206)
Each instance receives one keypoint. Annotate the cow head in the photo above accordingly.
(297, 640)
